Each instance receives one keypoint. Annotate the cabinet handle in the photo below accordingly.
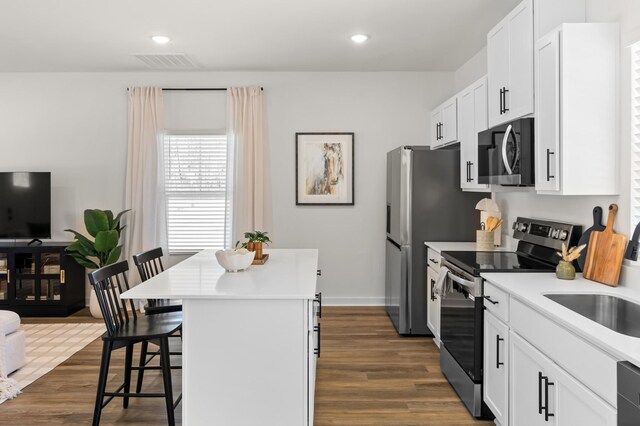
(470, 171)
(547, 383)
(498, 340)
(317, 330)
(319, 272)
(61, 276)
(549, 154)
(488, 299)
(433, 283)
(504, 100)
(433, 260)
(540, 407)
(501, 110)
(318, 300)
(8, 276)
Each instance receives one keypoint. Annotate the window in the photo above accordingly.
(196, 192)
(635, 135)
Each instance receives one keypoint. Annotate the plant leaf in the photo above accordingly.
(109, 214)
(86, 243)
(106, 241)
(96, 221)
(83, 261)
(114, 255)
(116, 221)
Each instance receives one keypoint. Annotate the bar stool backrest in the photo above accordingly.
(109, 282)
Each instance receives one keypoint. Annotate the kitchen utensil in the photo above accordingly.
(605, 253)
(597, 226)
(493, 223)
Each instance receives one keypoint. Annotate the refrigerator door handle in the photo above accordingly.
(405, 256)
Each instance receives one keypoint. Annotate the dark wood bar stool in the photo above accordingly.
(125, 329)
(149, 264)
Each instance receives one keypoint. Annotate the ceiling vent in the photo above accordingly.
(166, 61)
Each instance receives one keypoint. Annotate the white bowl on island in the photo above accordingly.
(234, 260)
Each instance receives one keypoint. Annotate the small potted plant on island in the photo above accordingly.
(255, 242)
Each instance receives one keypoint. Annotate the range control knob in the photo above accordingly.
(555, 233)
(521, 227)
(563, 235)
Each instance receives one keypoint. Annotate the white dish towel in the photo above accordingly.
(442, 286)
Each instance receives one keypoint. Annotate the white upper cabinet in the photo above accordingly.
(510, 50)
(444, 124)
(472, 119)
(576, 104)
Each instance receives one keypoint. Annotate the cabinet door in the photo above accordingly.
(498, 71)
(433, 306)
(450, 121)
(436, 128)
(577, 405)
(4, 277)
(547, 130)
(519, 95)
(472, 118)
(496, 367)
(528, 367)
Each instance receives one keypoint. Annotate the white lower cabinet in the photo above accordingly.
(542, 393)
(538, 373)
(433, 306)
(496, 367)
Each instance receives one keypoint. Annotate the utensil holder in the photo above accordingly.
(484, 240)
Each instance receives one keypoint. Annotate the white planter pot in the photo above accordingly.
(94, 307)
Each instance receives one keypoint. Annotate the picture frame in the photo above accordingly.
(325, 169)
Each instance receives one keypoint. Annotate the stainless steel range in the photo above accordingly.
(462, 311)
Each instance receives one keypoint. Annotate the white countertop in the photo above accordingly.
(288, 274)
(529, 289)
(441, 246)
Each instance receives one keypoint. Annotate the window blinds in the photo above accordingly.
(635, 135)
(195, 191)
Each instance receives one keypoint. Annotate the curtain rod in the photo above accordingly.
(189, 89)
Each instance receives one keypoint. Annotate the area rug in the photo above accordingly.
(49, 345)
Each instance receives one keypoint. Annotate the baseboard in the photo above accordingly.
(352, 301)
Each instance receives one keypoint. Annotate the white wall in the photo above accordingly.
(74, 125)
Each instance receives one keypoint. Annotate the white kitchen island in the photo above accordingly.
(250, 339)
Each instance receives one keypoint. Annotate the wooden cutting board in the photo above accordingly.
(584, 239)
(605, 253)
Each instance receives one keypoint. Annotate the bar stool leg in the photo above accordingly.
(107, 346)
(143, 360)
(166, 375)
(128, 359)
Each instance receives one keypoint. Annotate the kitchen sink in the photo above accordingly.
(618, 314)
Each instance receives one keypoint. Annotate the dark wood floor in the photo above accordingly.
(367, 375)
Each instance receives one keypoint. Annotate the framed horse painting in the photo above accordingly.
(324, 169)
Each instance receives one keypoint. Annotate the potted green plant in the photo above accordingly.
(255, 241)
(105, 247)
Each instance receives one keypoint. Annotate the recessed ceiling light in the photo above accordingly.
(359, 38)
(160, 39)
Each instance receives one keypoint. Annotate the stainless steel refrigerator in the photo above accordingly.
(424, 203)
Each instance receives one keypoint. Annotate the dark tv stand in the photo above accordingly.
(40, 280)
(36, 241)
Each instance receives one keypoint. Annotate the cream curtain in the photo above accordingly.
(250, 175)
(146, 223)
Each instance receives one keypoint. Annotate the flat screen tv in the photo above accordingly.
(25, 205)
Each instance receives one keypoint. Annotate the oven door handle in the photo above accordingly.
(468, 285)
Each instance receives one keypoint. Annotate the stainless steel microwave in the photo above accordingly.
(506, 155)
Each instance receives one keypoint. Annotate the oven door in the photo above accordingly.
(461, 322)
